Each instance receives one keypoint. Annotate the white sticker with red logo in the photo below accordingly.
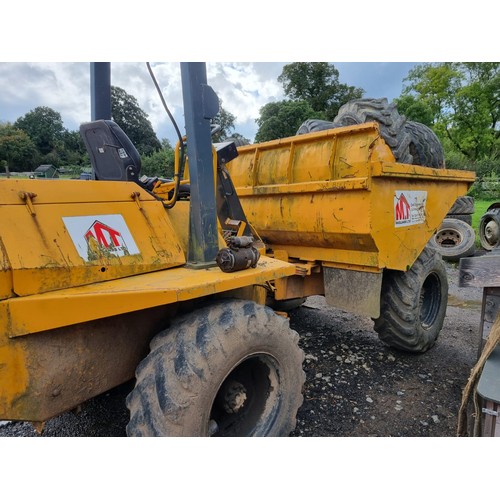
(97, 236)
(409, 207)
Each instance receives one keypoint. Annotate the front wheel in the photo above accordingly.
(413, 304)
(230, 369)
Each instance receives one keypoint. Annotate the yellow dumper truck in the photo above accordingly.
(356, 222)
(116, 278)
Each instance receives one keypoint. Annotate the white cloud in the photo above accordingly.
(243, 87)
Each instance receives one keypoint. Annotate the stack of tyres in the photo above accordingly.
(462, 209)
(455, 238)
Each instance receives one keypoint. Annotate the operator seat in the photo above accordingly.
(112, 154)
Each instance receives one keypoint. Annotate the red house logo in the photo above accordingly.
(103, 237)
(402, 210)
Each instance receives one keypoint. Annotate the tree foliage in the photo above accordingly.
(318, 84)
(45, 128)
(225, 120)
(125, 111)
(238, 139)
(17, 150)
(282, 119)
(160, 163)
(463, 100)
(415, 109)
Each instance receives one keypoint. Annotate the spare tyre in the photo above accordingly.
(314, 125)
(462, 209)
(392, 124)
(425, 147)
(463, 205)
(454, 240)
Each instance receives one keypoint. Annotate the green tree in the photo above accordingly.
(134, 121)
(318, 84)
(74, 152)
(464, 99)
(17, 151)
(282, 119)
(45, 128)
(414, 109)
(225, 120)
(159, 163)
(238, 139)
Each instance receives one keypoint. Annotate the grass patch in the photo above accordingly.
(480, 208)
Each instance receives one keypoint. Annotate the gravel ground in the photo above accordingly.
(356, 386)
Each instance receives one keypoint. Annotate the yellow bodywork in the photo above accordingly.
(90, 271)
(335, 197)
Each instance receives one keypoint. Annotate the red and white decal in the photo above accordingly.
(409, 207)
(96, 236)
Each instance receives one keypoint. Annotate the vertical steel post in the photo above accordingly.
(100, 90)
(200, 105)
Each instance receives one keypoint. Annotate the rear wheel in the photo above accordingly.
(230, 369)
(392, 124)
(413, 304)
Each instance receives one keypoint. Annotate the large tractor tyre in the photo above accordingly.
(392, 124)
(464, 205)
(314, 125)
(413, 304)
(230, 369)
(489, 229)
(425, 147)
(454, 239)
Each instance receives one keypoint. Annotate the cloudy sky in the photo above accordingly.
(242, 87)
(198, 31)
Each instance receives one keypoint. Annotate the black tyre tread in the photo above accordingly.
(399, 323)
(314, 125)
(463, 205)
(467, 218)
(425, 147)
(392, 124)
(173, 377)
(492, 216)
(466, 247)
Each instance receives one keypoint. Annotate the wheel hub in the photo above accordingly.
(248, 399)
(235, 396)
(448, 238)
(430, 298)
(491, 232)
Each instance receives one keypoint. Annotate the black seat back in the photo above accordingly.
(112, 154)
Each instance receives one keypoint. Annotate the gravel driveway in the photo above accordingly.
(356, 386)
